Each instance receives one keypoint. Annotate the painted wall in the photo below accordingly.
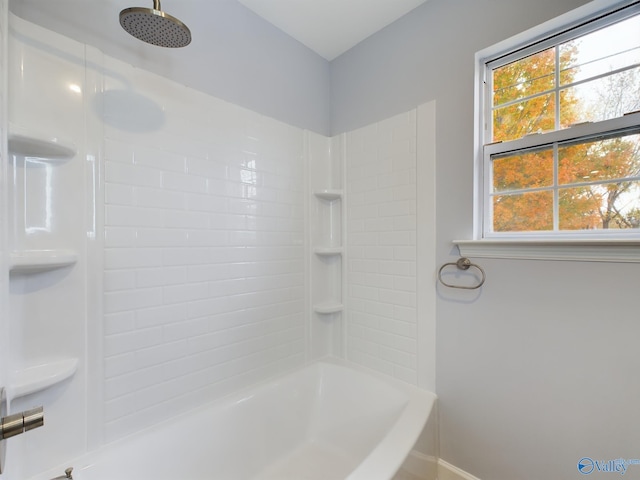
(242, 58)
(538, 369)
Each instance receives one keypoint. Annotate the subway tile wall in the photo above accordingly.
(381, 246)
(204, 243)
(196, 282)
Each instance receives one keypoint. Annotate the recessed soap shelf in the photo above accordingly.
(34, 261)
(328, 251)
(328, 195)
(328, 308)
(28, 143)
(40, 377)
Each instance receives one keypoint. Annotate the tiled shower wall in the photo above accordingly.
(204, 244)
(196, 261)
(381, 240)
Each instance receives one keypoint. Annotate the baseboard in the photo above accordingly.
(418, 466)
(446, 471)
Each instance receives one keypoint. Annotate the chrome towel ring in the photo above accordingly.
(463, 263)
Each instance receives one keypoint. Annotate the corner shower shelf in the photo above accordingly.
(40, 377)
(328, 308)
(35, 261)
(329, 195)
(328, 251)
(40, 145)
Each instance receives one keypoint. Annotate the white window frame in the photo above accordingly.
(611, 246)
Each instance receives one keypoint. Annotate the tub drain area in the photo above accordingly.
(313, 460)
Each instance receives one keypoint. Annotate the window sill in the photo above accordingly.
(616, 251)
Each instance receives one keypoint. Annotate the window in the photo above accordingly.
(560, 134)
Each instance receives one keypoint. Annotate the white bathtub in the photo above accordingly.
(326, 421)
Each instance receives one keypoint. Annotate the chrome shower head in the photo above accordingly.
(153, 26)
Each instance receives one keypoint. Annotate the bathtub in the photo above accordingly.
(326, 421)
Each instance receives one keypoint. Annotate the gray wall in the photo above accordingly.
(539, 369)
(235, 54)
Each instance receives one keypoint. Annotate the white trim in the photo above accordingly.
(571, 19)
(627, 123)
(426, 243)
(446, 471)
(306, 156)
(550, 27)
(341, 150)
(418, 466)
(94, 151)
(587, 250)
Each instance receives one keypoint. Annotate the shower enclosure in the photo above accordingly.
(163, 248)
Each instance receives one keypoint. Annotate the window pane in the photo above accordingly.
(563, 179)
(601, 99)
(602, 206)
(570, 114)
(532, 169)
(579, 209)
(612, 158)
(600, 52)
(530, 116)
(524, 212)
(526, 77)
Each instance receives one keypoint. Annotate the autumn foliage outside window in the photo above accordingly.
(587, 177)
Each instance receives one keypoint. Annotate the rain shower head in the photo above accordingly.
(153, 26)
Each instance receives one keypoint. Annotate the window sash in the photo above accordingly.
(578, 133)
(616, 127)
(571, 32)
(581, 243)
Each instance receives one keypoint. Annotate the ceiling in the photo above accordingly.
(331, 27)
(328, 27)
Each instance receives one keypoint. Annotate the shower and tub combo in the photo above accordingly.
(321, 422)
(216, 260)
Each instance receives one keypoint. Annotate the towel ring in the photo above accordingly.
(463, 263)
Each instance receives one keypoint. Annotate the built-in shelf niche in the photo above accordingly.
(47, 148)
(36, 261)
(327, 247)
(328, 251)
(328, 238)
(328, 195)
(328, 308)
(27, 143)
(42, 376)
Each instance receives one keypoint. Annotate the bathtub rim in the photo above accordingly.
(383, 462)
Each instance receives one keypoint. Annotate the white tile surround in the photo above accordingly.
(203, 260)
(197, 255)
(381, 239)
